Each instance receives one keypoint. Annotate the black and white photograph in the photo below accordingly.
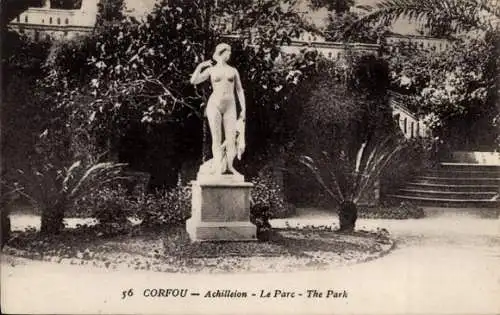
(250, 157)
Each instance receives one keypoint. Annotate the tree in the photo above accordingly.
(109, 11)
(65, 4)
(11, 8)
(21, 60)
(347, 131)
(273, 81)
(456, 86)
(465, 88)
(134, 81)
(338, 6)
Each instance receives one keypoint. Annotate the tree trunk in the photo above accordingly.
(348, 214)
(5, 225)
(52, 219)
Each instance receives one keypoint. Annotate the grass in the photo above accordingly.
(170, 250)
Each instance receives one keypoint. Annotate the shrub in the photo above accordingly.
(418, 155)
(171, 207)
(399, 212)
(109, 205)
(266, 202)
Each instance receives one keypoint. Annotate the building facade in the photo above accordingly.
(395, 41)
(46, 22)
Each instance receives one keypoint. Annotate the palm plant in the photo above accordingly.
(52, 190)
(348, 180)
(455, 15)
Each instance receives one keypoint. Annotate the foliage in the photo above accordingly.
(338, 6)
(110, 11)
(170, 207)
(65, 4)
(402, 211)
(53, 190)
(348, 182)
(347, 104)
(274, 83)
(450, 17)
(110, 205)
(134, 81)
(266, 201)
(345, 28)
(21, 116)
(418, 155)
(460, 84)
(348, 132)
(454, 89)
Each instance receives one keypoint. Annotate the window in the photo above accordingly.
(50, 20)
(330, 55)
(405, 128)
(43, 21)
(25, 19)
(66, 21)
(58, 20)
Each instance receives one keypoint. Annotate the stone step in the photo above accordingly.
(468, 167)
(452, 187)
(481, 195)
(470, 173)
(458, 180)
(489, 213)
(447, 202)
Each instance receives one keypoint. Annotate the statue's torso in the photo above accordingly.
(222, 78)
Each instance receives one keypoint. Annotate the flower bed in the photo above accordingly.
(288, 249)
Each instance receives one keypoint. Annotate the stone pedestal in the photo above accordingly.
(221, 210)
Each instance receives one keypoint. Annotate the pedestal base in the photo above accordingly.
(221, 211)
(222, 231)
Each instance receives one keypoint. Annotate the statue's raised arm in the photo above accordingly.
(222, 113)
(201, 73)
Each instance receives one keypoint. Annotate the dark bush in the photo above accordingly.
(266, 202)
(418, 156)
(109, 205)
(170, 207)
(400, 212)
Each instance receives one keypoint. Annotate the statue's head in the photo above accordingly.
(222, 52)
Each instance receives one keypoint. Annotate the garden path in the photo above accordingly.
(442, 264)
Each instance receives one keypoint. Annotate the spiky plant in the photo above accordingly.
(348, 180)
(52, 190)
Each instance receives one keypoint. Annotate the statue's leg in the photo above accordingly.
(229, 120)
(215, 123)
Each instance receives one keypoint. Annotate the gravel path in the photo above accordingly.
(442, 265)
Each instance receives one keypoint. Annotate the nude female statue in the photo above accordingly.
(221, 111)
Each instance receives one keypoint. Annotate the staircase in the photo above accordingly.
(455, 184)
